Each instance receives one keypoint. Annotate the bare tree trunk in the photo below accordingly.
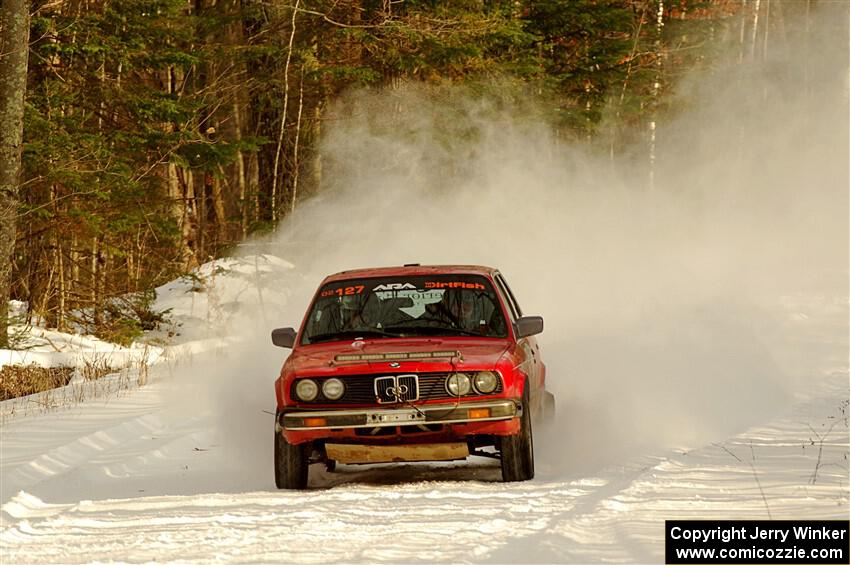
(240, 127)
(179, 206)
(611, 147)
(75, 259)
(95, 291)
(766, 29)
(131, 267)
(743, 31)
(58, 262)
(243, 192)
(105, 268)
(217, 195)
(47, 291)
(202, 182)
(190, 216)
(756, 8)
(295, 164)
(282, 129)
(807, 74)
(764, 43)
(14, 50)
(656, 85)
(60, 268)
(179, 192)
(254, 185)
(317, 159)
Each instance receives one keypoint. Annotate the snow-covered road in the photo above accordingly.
(696, 338)
(130, 479)
(181, 469)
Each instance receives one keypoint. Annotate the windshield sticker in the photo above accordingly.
(344, 291)
(418, 299)
(432, 304)
(394, 286)
(455, 284)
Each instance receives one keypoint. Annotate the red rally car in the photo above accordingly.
(412, 363)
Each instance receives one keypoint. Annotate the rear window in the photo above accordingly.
(430, 305)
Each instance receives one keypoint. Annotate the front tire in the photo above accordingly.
(517, 452)
(290, 463)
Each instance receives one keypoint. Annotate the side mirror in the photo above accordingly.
(528, 325)
(283, 337)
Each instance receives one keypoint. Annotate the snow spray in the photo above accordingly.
(676, 312)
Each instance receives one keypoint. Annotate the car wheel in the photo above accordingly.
(290, 463)
(517, 451)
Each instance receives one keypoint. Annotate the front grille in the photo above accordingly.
(384, 387)
(361, 389)
(401, 388)
(409, 386)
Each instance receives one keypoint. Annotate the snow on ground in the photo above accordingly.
(50, 348)
(203, 304)
(123, 481)
(201, 309)
(181, 469)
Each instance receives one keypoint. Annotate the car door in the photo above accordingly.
(529, 350)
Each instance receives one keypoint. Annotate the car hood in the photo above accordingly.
(347, 356)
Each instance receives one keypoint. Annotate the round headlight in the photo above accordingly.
(485, 382)
(306, 389)
(333, 389)
(458, 384)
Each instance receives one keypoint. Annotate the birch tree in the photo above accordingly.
(14, 50)
(656, 86)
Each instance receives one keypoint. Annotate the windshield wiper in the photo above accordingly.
(347, 334)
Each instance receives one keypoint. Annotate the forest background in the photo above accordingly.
(159, 134)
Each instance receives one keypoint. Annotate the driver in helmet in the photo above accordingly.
(351, 313)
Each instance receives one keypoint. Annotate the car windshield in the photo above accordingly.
(431, 305)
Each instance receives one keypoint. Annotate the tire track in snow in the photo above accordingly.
(414, 521)
(396, 513)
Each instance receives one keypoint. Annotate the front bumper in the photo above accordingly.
(453, 413)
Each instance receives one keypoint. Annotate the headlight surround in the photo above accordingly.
(306, 389)
(485, 382)
(333, 389)
(458, 384)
